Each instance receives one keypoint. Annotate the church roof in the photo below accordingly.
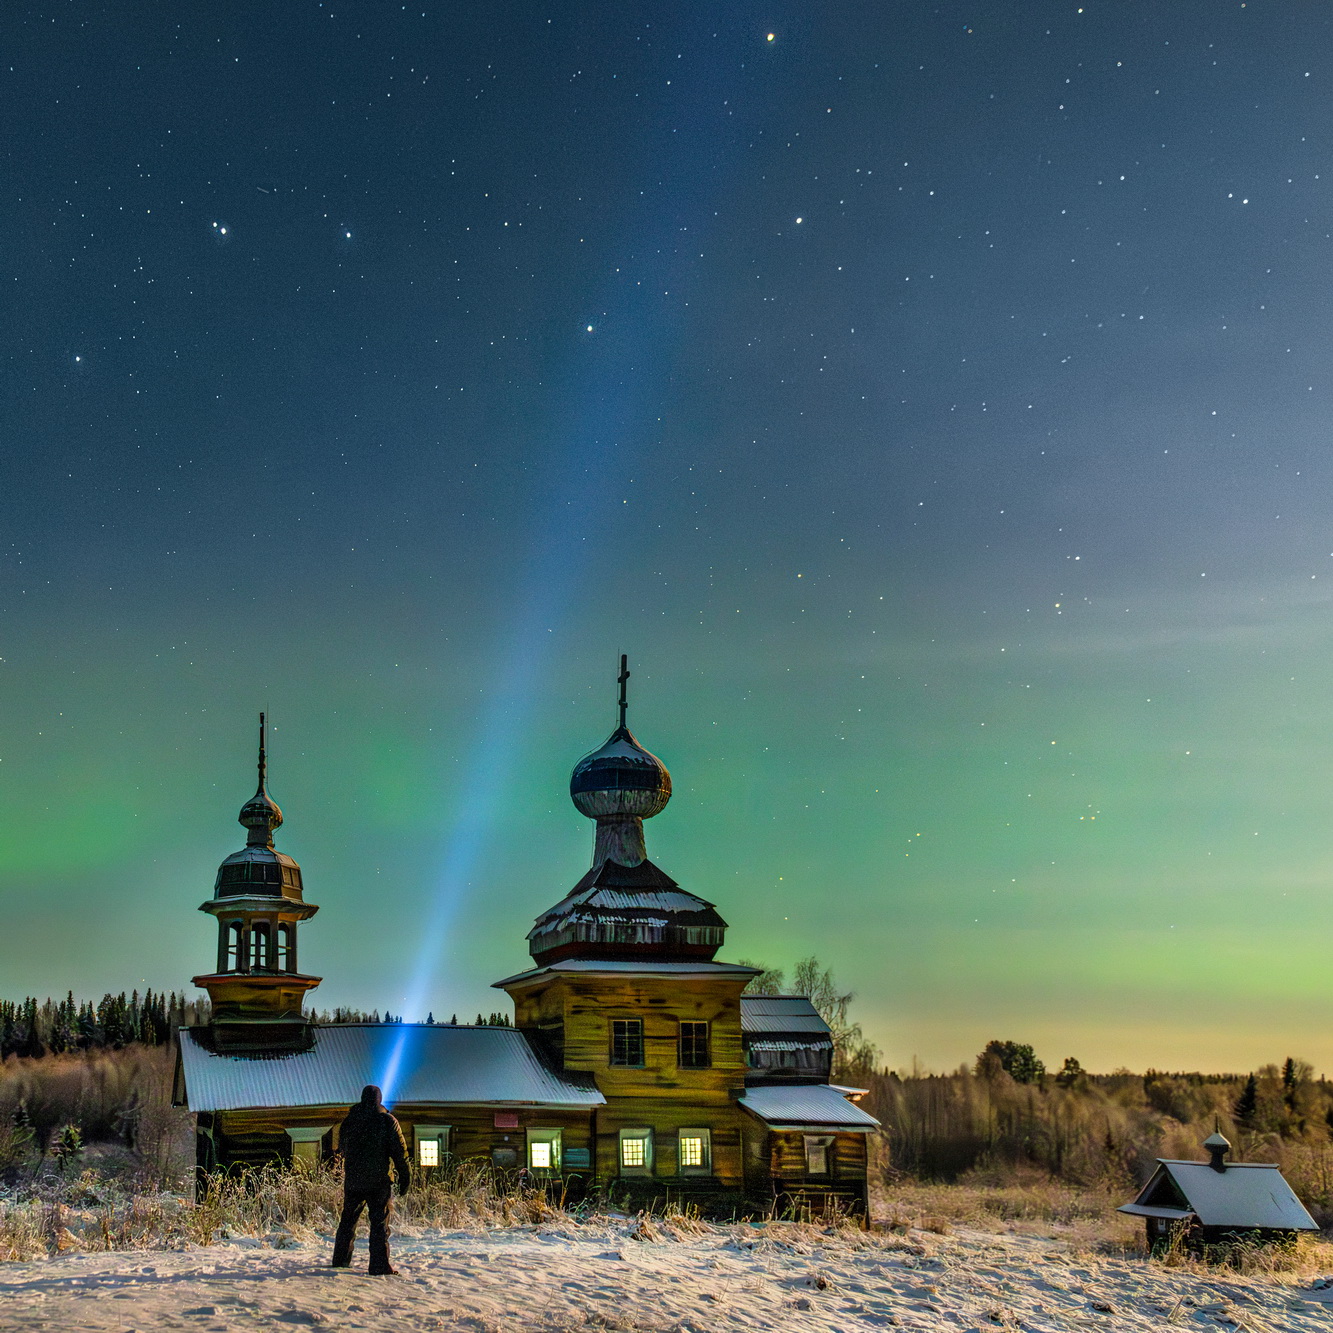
(488, 1066)
(633, 890)
(636, 967)
(618, 908)
(785, 1014)
(815, 1107)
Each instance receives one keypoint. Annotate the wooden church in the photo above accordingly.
(636, 1065)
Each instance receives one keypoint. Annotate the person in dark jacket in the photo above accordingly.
(370, 1141)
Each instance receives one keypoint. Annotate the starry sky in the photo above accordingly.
(932, 400)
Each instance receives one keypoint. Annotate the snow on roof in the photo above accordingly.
(1246, 1195)
(644, 967)
(810, 1106)
(780, 1013)
(439, 1064)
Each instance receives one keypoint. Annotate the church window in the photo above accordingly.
(696, 1151)
(627, 1042)
(636, 1152)
(544, 1149)
(818, 1151)
(286, 940)
(432, 1144)
(694, 1046)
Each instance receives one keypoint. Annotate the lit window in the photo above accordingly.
(636, 1151)
(817, 1155)
(544, 1149)
(432, 1144)
(694, 1046)
(627, 1042)
(695, 1150)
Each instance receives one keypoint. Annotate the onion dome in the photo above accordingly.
(620, 778)
(624, 907)
(257, 869)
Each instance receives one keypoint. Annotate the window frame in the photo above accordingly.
(284, 946)
(707, 1061)
(236, 952)
(704, 1167)
(635, 1134)
(616, 1043)
(261, 947)
(548, 1136)
(307, 1142)
(822, 1143)
(440, 1135)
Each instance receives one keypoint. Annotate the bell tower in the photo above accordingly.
(257, 991)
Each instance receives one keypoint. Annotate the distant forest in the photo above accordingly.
(34, 1028)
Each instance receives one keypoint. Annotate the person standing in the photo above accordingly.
(371, 1141)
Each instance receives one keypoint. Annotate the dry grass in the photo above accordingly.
(94, 1212)
(1025, 1203)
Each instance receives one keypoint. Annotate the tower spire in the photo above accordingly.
(623, 678)
(260, 814)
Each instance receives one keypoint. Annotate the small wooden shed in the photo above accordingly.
(1213, 1202)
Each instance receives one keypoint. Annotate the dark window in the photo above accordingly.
(235, 947)
(286, 962)
(627, 1042)
(694, 1046)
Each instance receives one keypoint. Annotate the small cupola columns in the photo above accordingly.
(257, 990)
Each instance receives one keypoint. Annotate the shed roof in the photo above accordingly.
(1247, 1195)
(810, 1106)
(438, 1065)
(780, 1013)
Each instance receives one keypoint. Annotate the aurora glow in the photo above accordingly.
(970, 539)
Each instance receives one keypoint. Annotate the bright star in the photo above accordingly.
(589, 328)
(771, 35)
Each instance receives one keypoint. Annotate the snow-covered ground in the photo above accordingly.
(601, 1276)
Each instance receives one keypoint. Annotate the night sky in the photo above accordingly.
(933, 402)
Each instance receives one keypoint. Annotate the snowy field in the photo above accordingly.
(604, 1276)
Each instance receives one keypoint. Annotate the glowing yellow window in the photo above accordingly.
(636, 1151)
(544, 1149)
(695, 1150)
(432, 1144)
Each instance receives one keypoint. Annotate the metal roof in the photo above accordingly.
(645, 967)
(787, 1044)
(1246, 1195)
(438, 1064)
(812, 1106)
(780, 1013)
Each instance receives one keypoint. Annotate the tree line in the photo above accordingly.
(34, 1028)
